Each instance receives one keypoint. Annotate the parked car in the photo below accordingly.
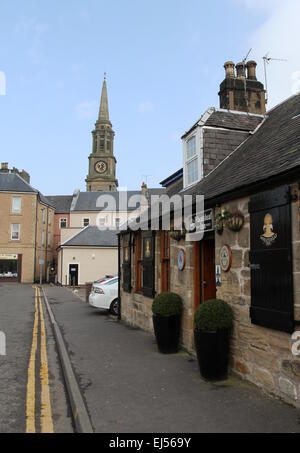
(105, 295)
(102, 279)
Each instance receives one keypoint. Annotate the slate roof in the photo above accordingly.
(234, 120)
(273, 150)
(86, 201)
(172, 178)
(93, 237)
(12, 182)
(228, 119)
(61, 203)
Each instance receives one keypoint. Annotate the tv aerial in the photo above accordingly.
(267, 61)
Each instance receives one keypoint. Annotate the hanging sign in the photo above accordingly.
(181, 259)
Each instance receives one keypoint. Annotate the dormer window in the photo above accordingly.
(191, 160)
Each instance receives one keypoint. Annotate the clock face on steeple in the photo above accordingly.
(101, 167)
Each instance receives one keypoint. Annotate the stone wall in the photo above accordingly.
(258, 354)
(137, 309)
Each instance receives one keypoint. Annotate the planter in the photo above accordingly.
(167, 333)
(213, 353)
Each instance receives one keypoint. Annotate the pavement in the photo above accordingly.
(17, 312)
(128, 387)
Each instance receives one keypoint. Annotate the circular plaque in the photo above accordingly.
(225, 258)
(181, 260)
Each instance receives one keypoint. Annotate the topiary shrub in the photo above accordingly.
(213, 315)
(167, 304)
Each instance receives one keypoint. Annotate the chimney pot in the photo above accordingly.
(240, 69)
(229, 69)
(251, 70)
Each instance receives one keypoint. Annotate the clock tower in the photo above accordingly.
(102, 162)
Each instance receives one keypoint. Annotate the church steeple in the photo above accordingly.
(102, 162)
(103, 110)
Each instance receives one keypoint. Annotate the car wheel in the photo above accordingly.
(114, 307)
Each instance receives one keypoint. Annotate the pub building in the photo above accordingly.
(246, 163)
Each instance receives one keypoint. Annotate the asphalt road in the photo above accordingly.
(17, 315)
(129, 387)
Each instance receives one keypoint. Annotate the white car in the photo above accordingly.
(105, 295)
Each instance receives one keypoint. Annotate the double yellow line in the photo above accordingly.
(46, 422)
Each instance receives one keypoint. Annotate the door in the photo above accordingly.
(73, 272)
(208, 278)
(204, 271)
(271, 260)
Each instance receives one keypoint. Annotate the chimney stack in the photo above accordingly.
(242, 92)
(4, 166)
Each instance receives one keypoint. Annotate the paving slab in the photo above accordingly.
(129, 387)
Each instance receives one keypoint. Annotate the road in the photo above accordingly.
(127, 386)
(32, 393)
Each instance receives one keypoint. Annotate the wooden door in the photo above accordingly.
(204, 271)
(271, 260)
(208, 277)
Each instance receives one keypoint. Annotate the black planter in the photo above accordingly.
(213, 353)
(167, 333)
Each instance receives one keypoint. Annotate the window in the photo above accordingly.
(15, 231)
(86, 222)
(165, 260)
(191, 148)
(49, 239)
(17, 205)
(117, 222)
(138, 263)
(126, 266)
(101, 222)
(43, 215)
(148, 245)
(49, 218)
(192, 171)
(63, 223)
(191, 161)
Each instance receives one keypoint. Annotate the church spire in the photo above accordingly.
(103, 111)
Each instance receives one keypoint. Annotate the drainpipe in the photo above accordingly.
(119, 277)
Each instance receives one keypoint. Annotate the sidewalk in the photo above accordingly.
(129, 387)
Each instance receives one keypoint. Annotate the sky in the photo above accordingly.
(164, 64)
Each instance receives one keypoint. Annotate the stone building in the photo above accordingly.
(250, 253)
(26, 230)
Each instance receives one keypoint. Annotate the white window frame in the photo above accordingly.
(16, 211)
(86, 218)
(101, 221)
(198, 156)
(19, 232)
(66, 220)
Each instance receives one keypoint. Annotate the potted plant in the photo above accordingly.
(213, 324)
(167, 310)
